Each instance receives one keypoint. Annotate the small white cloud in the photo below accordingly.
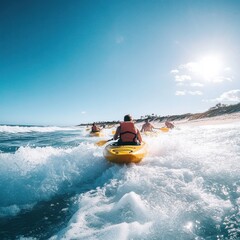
(229, 79)
(227, 69)
(196, 84)
(190, 67)
(220, 79)
(195, 93)
(185, 92)
(230, 96)
(180, 93)
(175, 71)
(180, 84)
(207, 100)
(120, 39)
(182, 78)
(83, 112)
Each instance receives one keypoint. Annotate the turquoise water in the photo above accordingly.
(55, 184)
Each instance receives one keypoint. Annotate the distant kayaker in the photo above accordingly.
(95, 128)
(169, 124)
(127, 133)
(147, 126)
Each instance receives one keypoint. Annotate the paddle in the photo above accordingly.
(102, 142)
(163, 129)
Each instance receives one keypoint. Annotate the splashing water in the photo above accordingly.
(56, 184)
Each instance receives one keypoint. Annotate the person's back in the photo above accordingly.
(127, 133)
(169, 125)
(147, 126)
(95, 128)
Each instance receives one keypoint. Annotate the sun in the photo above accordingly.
(209, 67)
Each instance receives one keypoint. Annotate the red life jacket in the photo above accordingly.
(128, 132)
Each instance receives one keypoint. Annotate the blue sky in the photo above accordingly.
(67, 62)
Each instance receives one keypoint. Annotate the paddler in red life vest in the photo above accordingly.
(127, 133)
(95, 128)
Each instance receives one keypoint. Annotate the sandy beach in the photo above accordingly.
(223, 119)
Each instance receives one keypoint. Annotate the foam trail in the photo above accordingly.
(34, 174)
(187, 188)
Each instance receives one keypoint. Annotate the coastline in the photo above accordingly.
(222, 119)
(216, 120)
(218, 114)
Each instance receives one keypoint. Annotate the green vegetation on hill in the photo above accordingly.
(218, 110)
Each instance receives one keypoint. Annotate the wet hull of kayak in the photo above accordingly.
(125, 154)
(164, 129)
(96, 134)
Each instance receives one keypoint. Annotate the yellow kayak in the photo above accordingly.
(155, 133)
(96, 134)
(164, 129)
(125, 153)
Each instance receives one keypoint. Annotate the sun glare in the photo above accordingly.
(210, 67)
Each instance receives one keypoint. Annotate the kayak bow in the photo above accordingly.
(125, 153)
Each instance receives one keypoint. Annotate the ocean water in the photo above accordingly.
(55, 184)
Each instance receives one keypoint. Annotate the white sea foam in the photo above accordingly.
(25, 129)
(34, 174)
(182, 187)
(186, 188)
